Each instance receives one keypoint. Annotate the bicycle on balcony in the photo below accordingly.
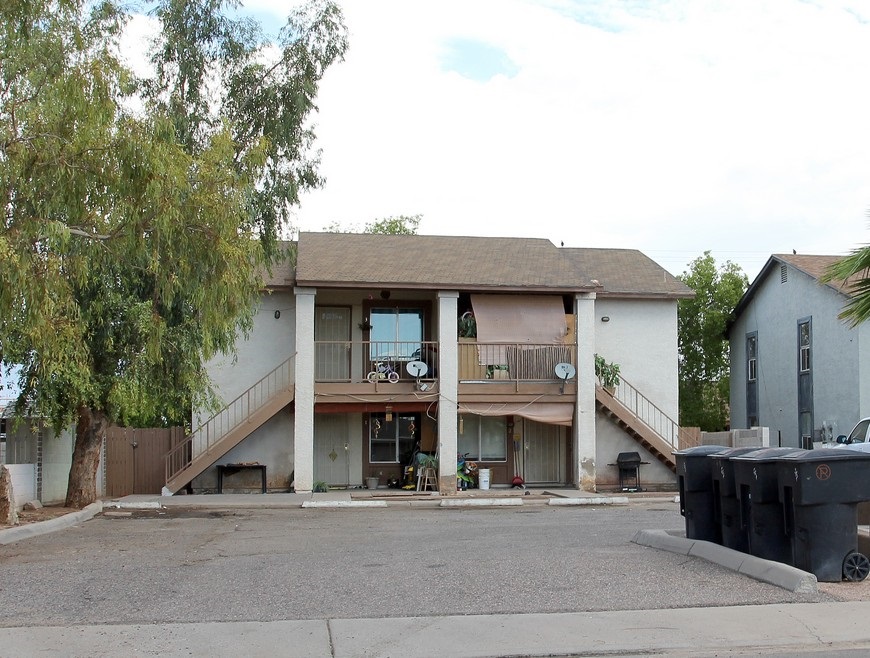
(383, 371)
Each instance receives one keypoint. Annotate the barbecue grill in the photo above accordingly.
(628, 464)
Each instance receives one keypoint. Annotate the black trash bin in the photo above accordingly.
(760, 511)
(696, 492)
(820, 491)
(726, 506)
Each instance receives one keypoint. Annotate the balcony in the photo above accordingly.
(497, 371)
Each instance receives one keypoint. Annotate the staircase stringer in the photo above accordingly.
(654, 442)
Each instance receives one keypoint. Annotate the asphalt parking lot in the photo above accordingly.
(195, 565)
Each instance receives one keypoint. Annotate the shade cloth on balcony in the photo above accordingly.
(552, 413)
(518, 319)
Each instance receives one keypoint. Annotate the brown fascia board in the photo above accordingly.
(434, 286)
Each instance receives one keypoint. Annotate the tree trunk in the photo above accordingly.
(82, 487)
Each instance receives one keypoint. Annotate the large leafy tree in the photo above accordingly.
(703, 346)
(132, 241)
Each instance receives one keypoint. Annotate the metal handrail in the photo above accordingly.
(207, 435)
(648, 413)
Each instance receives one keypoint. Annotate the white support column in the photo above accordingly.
(584, 427)
(303, 419)
(448, 389)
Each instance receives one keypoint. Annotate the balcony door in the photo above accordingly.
(332, 343)
(396, 335)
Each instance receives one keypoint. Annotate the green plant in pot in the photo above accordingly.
(467, 325)
(607, 373)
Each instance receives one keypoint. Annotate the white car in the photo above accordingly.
(858, 438)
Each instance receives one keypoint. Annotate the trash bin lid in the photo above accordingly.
(734, 452)
(700, 451)
(827, 455)
(768, 454)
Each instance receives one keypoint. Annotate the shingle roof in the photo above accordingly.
(475, 263)
(816, 266)
(628, 272)
(813, 266)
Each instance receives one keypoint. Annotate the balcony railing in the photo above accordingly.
(648, 413)
(347, 361)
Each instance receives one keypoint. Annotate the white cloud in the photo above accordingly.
(671, 126)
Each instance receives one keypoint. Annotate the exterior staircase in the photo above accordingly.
(638, 417)
(229, 427)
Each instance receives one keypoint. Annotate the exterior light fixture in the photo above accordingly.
(389, 416)
(605, 318)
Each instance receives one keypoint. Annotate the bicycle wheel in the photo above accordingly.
(393, 377)
(373, 376)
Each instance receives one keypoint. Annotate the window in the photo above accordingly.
(859, 432)
(752, 357)
(396, 333)
(805, 340)
(392, 441)
(483, 438)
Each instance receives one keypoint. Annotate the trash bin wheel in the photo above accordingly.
(856, 566)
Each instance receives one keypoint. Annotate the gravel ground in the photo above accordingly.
(206, 565)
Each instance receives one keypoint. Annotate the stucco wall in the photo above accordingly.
(641, 336)
(23, 448)
(272, 445)
(774, 313)
(611, 441)
(270, 342)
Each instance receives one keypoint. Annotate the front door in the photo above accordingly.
(332, 341)
(332, 450)
(545, 456)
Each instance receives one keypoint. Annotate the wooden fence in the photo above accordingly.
(135, 459)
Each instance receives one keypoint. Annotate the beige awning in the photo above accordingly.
(534, 319)
(552, 413)
(517, 319)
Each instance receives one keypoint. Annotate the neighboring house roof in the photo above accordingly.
(814, 266)
(475, 263)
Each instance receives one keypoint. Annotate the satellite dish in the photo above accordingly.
(417, 369)
(565, 371)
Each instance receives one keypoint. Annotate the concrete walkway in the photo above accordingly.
(792, 628)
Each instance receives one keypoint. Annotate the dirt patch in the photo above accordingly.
(43, 514)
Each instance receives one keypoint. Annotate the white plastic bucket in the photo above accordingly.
(483, 478)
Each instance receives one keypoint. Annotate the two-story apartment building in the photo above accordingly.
(357, 360)
(796, 367)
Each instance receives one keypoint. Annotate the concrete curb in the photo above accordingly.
(775, 573)
(481, 502)
(134, 504)
(343, 503)
(606, 500)
(35, 529)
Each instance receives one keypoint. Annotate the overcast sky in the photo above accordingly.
(671, 126)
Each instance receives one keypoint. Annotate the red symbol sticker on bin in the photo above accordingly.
(823, 471)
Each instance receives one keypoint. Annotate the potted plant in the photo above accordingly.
(607, 373)
(467, 325)
(497, 372)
